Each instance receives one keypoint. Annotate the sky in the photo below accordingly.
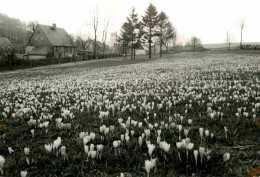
(209, 20)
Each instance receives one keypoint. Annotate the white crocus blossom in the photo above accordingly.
(186, 132)
(2, 162)
(48, 147)
(140, 141)
(196, 152)
(151, 147)
(57, 143)
(86, 149)
(116, 144)
(10, 150)
(201, 133)
(226, 156)
(147, 133)
(149, 164)
(93, 154)
(26, 151)
(201, 151)
(165, 146)
(207, 133)
(63, 151)
(226, 130)
(23, 173)
(32, 131)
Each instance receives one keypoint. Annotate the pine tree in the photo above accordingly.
(150, 22)
(125, 37)
(163, 21)
(134, 27)
(170, 34)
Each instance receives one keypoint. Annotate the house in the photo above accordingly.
(140, 49)
(49, 41)
(89, 47)
(156, 48)
(5, 47)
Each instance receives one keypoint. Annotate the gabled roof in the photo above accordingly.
(99, 44)
(57, 36)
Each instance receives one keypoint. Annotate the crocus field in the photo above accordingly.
(188, 114)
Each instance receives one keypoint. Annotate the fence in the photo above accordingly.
(16, 63)
(250, 47)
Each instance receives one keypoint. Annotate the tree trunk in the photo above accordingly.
(95, 46)
(161, 43)
(132, 48)
(150, 43)
(241, 37)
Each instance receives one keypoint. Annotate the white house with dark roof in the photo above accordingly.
(49, 41)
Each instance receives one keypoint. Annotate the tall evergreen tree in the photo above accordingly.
(150, 22)
(125, 37)
(170, 34)
(162, 22)
(134, 26)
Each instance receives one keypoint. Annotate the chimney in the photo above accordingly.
(53, 26)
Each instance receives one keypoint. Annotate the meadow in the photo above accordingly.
(188, 114)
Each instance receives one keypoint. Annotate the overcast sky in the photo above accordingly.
(207, 19)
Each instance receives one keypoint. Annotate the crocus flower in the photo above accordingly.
(151, 147)
(140, 141)
(48, 147)
(186, 131)
(26, 151)
(2, 162)
(196, 152)
(86, 149)
(93, 154)
(201, 133)
(201, 151)
(207, 133)
(63, 151)
(226, 130)
(10, 150)
(226, 156)
(23, 173)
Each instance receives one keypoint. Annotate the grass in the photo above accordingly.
(225, 84)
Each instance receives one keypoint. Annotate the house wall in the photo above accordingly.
(156, 49)
(38, 38)
(36, 57)
(140, 52)
(61, 52)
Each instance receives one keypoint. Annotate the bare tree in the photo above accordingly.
(32, 25)
(195, 43)
(228, 40)
(104, 36)
(95, 26)
(242, 25)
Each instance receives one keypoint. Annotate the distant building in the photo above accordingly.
(49, 41)
(89, 47)
(156, 48)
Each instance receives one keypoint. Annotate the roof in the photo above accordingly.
(99, 44)
(4, 40)
(57, 36)
(39, 51)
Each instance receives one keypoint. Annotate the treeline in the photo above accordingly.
(15, 31)
(153, 28)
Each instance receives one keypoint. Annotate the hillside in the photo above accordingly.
(224, 45)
